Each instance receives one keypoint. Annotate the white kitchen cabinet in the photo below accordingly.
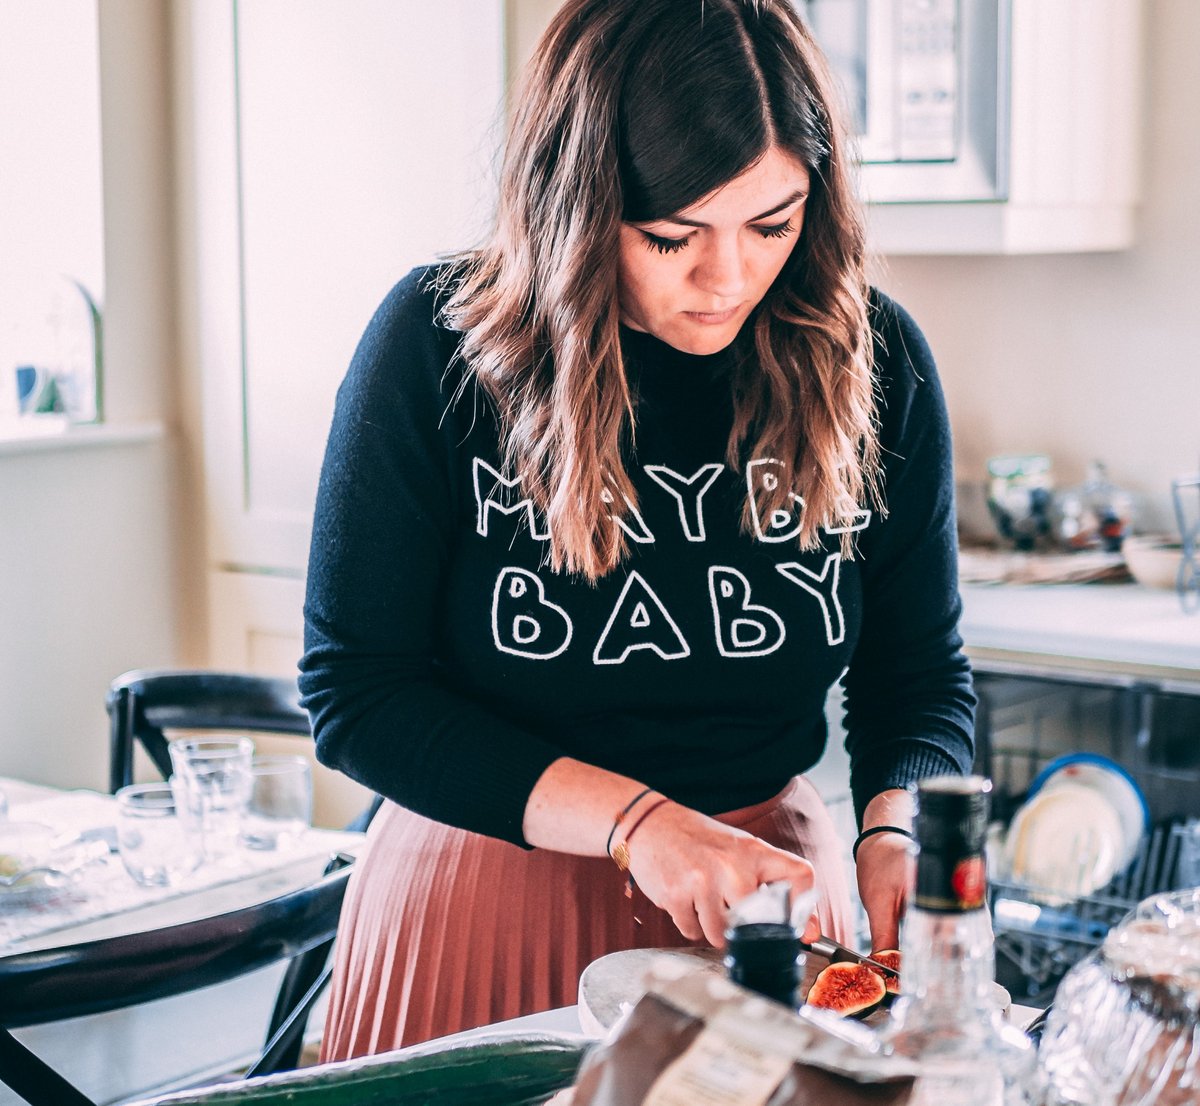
(1074, 124)
(323, 151)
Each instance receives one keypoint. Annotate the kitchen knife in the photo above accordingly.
(825, 946)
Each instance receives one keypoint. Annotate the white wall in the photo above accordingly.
(90, 537)
(1087, 356)
(85, 593)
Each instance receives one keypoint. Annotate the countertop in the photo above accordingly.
(1112, 628)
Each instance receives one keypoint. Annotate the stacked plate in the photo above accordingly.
(1080, 826)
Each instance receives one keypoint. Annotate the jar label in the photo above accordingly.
(949, 882)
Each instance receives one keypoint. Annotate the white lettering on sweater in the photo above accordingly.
(824, 586)
(642, 534)
(859, 521)
(782, 525)
(639, 621)
(524, 621)
(688, 492)
(502, 495)
(743, 629)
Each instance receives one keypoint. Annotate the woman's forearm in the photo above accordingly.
(573, 806)
(894, 807)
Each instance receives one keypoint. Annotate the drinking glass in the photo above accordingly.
(280, 801)
(157, 847)
(211, 781)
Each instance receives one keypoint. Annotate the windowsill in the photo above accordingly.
(32, 438)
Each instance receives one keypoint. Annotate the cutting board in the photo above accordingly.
(614, 982)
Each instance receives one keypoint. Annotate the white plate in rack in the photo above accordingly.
(1065, 842)
(1111, 781)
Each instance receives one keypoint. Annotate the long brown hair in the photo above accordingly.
(632, 110)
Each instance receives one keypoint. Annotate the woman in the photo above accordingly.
(608, 505)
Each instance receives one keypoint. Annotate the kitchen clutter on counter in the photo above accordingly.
(1029, 512)
(1019, 527)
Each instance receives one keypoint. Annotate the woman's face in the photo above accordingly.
(692, 278)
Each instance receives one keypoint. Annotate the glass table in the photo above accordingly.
(91, 959)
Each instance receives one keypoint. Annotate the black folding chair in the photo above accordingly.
(146, 703)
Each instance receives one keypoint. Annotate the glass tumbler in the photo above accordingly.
(157, 847)
(280, 801)
(211, 780)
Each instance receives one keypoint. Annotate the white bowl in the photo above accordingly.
(1153, 559)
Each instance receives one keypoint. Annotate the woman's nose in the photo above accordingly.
(721, 269)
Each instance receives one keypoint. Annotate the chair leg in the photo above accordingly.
(302, 973)
(33, 1079)
(282, 1051)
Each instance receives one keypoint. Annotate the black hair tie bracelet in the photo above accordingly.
(874, 830)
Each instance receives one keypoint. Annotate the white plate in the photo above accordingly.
(1110, 780)
(1064, 842)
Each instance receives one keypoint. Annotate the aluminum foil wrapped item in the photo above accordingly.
(1125, 1027)
(696, 1038)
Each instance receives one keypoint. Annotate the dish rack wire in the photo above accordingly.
(1027, 719)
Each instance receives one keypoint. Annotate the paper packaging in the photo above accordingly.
(699, 1040)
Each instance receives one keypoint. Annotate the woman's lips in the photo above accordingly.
(712, 317)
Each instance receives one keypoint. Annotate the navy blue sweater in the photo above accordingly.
(446, 667)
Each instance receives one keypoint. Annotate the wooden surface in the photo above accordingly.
(613, 982)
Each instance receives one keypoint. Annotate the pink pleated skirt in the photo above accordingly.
(444, 930)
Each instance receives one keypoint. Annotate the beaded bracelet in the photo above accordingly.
(621, 816)
(878, 829)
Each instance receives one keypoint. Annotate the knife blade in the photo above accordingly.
(826, 946)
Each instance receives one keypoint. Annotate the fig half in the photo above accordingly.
(889, 958)
(852, 990)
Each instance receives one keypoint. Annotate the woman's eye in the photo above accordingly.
(779, 230)
(664, 245)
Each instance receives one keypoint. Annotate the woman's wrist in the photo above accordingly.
(875, 831)
(624, 813)
(573, 807)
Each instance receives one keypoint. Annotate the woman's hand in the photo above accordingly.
(884, 872)
(885, 866)
(695, 868)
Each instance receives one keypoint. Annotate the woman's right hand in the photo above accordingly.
(695, 867)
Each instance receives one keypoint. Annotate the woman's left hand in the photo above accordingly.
(884, 871)
(885, 867)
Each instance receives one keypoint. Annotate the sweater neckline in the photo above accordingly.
(645, 356)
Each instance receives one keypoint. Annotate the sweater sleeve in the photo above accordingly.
(382, 711)
(909, 699)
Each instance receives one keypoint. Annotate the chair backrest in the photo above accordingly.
(144, 703)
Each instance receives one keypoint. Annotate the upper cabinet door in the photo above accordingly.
(325, 150)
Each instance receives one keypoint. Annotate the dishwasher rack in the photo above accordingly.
(1027, 718)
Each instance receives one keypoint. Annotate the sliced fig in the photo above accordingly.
(889, 958)
(852, 990)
